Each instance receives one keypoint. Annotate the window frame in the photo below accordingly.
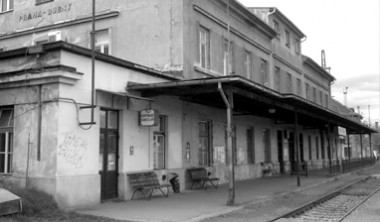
(208, 161)
(228, 57)
(248, 69)
(277, 78)
(289, 81)
(297, 43)
(8, 131)
(103, 43)
(251, 155)
(287, 38)
(161, 132)
(266, 138)
(276, 27)
(9, 6)
(204, 43)
(307, 90)
(299, 86)
(264, 72)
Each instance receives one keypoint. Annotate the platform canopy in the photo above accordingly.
(250, 98)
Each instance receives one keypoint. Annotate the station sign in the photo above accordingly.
(148, 117)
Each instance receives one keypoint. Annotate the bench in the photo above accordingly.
(146, 183)
(267, 168)
(304, 171)
(200, 176)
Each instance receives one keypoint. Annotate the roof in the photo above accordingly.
(283, 18)
(251, 98)
(61, 45)
(312, 64)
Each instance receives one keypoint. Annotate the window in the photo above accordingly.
(204, 149)
(317, 147)
(322, 146)
(277, 78)
(289, 84)
(301, 147)
(297, 44)
(248, 64)
(228, 61)
(6, 5)
(326, 100)
(299, 87)
(320, 98)
(251, 145)
(102, 42)
(276, 27)
(287, 38)
(307, 91)
(314, 95)
(159, 144)
(204, 47)
(6, 140)
(264, 72)
(310, 148)
(267, 147)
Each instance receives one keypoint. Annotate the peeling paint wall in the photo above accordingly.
(159, 21)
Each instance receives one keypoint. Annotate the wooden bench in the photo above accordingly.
(200, 176)
(304, 171)
(146, 183)
(267, 168)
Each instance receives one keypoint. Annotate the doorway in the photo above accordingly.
(280, 151)
(109, 153)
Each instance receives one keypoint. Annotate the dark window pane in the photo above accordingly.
(2, 163)
(102, 119)
(112, 119)
(10, 142)
(9, 163)
(2, 142)
(5, 117)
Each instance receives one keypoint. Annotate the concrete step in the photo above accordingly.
(9, 203)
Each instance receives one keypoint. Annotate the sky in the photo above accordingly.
(349, 32)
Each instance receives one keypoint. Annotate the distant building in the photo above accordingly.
(167, 75)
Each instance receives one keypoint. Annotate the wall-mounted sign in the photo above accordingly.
(149, 117)
(44, 12)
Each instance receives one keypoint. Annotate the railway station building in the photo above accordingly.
(175, 85)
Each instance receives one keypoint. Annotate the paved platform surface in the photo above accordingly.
(198, 205)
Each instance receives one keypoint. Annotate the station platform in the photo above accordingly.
(198, 205)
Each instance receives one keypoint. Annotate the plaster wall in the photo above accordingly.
(194, 18)
(159, 21)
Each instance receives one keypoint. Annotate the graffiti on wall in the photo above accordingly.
(73, 150)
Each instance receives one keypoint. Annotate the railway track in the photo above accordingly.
(335, 206)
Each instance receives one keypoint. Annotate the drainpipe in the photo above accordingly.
(92, 106)
(93, 62)
(231, 153)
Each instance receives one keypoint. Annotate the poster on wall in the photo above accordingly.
(148, 117)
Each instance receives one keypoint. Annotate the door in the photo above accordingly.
(292, 152)
(280, 151)
(108, 153)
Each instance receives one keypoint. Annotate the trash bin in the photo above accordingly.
(175, 182)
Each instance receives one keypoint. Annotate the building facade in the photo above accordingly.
(189, 62)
